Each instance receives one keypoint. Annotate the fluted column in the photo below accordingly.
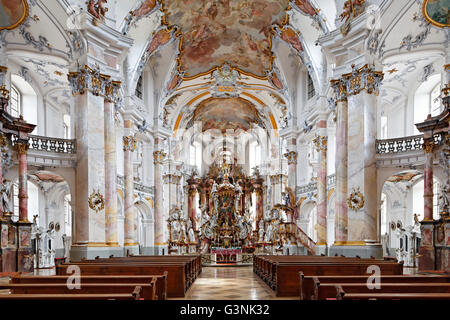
(158, 157)
(22, 148)
(321, 147)
(130, 222)
(111, 237)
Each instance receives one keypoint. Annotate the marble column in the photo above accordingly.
(22, 148)
(428, 181)
(111, 237)
(3, 144)
(258, 189)
(341, 209)
(291, 156)
(130, 222)
(427, 254)
(322, 196)
(160, 242)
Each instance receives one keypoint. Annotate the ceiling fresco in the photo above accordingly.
(238, 32)
(223, 114)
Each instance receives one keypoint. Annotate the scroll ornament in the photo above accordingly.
(356, 200)
(96, 201)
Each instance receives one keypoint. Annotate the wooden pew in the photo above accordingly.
(392, 296)
(330, 290)
(285, 286)
(134, 295)
(148, 290)
(160, 285)
(176, 278)
(163, 266)
(309, 285)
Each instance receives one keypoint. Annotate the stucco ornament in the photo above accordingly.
(96, 201)
(356, 200)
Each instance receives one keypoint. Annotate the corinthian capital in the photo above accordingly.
(158, 156)
(90, 79)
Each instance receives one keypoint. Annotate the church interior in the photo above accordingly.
(224, 149)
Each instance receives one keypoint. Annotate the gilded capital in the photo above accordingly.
(321, 143)
(291, 156)
(129, 143)
(158, 156)
(428, 146)
(22, 147)
(92, 80)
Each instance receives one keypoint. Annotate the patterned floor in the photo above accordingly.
(229, 283)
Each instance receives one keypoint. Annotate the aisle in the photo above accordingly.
(229, 283)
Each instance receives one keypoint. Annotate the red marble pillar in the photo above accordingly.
(22, 148)
(427, 251)
(428, 181)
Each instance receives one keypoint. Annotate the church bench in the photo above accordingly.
(285, 273)
(148, 290)
(193, 261)
(264, 266)
(160, 281)
(329, 290)
(270, 273)
(189, 270)
(191, 265)
(188, 275)
(392, 296)
(309, 284)
(176, 278)
(134, 295)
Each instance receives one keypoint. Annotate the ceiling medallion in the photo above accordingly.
(436, 12)
(96, 201)
(16, 12)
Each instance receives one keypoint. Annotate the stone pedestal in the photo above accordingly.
(364, 251)
(25, 254)
(426, 249)
(8, 245)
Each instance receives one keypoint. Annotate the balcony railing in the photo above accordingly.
(41, 143)
(404, 144)
(137, 186)
(312, 186)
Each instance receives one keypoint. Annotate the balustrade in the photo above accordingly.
(48, 144)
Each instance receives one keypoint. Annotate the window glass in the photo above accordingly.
(14, 104)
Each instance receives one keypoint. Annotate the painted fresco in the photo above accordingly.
(292, 38)
(237, 32)
(306, 7)
(226, 114)
(12, 13)
(437, 12)
(404, 176)
(145, 8)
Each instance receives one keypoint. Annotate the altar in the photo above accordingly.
(226, 255)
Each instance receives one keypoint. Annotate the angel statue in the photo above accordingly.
(5, 190)
(444, 199)
(261, 231)
(191, 233)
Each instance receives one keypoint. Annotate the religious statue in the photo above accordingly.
(5, 190)
(444, 199)
(175, 230)
(261, 231)
(191, 233)
(268, 236)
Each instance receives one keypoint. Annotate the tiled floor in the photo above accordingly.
(229, 283)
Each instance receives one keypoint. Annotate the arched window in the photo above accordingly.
(15, 102)
(66, 126)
